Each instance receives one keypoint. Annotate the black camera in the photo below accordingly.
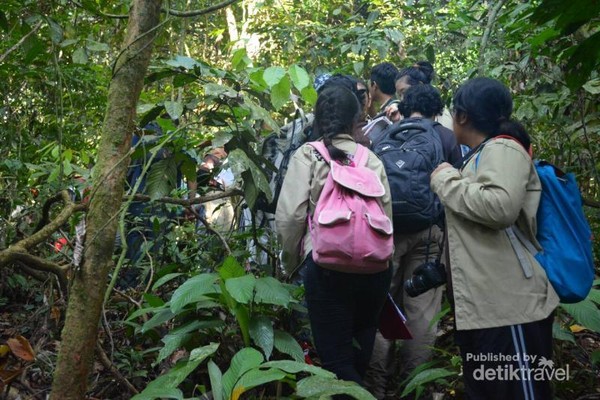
(427, 276)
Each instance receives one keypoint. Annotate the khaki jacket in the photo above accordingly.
(304, 180)
(496, 189)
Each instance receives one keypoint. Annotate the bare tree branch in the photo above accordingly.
(40, 264)
(175, 13)
(486, 34)
(20, 42)
(211, 229)
(105, 361)
(44, 233)
(591, 203)
(206, 10)
(187, 203)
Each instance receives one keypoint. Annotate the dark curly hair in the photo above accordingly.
(336, 112)
(488, 106)
(424, 99)
(421, 72)
(384, 75)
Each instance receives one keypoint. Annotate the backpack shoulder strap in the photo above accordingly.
(320, 147)
(361, 155)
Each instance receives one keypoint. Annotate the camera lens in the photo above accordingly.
(426, 277)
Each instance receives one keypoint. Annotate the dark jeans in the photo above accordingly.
(508, 362)
(344, 314)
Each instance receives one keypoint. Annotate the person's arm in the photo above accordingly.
(496, 196)
(292, 208)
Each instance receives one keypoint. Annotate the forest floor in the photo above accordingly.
(32, 315)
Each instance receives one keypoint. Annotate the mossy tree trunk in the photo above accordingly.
(79, 334)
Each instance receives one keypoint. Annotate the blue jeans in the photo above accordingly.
(344, 310)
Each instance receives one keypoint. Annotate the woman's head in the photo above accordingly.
(486, 105)
(419, 73)
(423, 99)
(349, 82)
(336, 112)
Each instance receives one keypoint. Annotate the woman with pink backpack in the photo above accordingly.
(334, 223)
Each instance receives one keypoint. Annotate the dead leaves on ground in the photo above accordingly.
(14, 355)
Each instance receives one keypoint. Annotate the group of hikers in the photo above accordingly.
(377, 170)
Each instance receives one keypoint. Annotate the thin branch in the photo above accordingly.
(187, 203)
(44, 233)
(105, 361)
(20, 42)
(591, 203)
(486, 34)
(175, 13)
(211, 229)
(40, 264)
(206, 10)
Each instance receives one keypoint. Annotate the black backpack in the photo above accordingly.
(410, 150)
(278, 149)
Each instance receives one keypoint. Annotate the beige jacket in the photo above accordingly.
(301, 189)
(494, 190)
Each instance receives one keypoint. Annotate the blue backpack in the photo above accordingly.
(564, 234)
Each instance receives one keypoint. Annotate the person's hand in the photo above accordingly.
(392, 112)
(441, 167)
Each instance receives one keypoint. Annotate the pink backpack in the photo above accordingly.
(349, 229)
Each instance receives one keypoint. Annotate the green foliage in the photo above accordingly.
(166, 385)
(206, 91)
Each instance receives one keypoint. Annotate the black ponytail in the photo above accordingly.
(336, 112)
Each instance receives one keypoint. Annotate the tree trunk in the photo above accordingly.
(79, 334)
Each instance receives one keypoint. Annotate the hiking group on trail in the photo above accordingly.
(383, 199)
(398, 203)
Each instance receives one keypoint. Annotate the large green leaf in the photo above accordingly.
(144, 311)
(192, 290)
(299, 76)
(261, 331)
(259, 113)
(243, 361)
(178, 373)
(172, 343)
(253, 378)
(216, 381)
(165, 279)
(162, 178)
(293, 367)
(216, 90)
(242, 288)
(285, 343)
(559, 333)
(231, 269)
(240, 162)
(280, 93)
(594, 296)
(271, 291)
(183, 62)
(309, 95)
(273, 75)
(586, 313)
(429, 375)
(182, 335)
(158, 319)
(317, 387)
(174, 109)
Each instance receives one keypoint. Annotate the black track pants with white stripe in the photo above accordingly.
(509, 362)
